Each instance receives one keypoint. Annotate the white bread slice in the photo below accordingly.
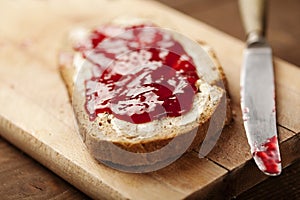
(151, 145)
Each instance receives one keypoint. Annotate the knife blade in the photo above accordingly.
(258, 90)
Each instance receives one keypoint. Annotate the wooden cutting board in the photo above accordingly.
(36, 116)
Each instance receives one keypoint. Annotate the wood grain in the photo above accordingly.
(30, 84)
(17, 181)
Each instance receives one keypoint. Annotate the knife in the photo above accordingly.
(258, 90)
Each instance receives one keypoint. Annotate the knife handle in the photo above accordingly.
(253, 13)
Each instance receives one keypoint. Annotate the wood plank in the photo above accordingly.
(218, 14)
(287, 92)
(32, 85)
(284, 186)
(247, 175)
(182, 174)
(17, 181)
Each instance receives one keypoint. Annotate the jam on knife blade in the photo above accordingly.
(268, 157)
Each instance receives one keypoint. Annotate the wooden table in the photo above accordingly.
(22, 177)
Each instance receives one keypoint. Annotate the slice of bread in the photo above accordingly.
(152, 145)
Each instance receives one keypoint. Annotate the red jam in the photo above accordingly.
(270, 156)
(141, 74)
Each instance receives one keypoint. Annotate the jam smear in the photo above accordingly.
(141, 74)
(270, 156)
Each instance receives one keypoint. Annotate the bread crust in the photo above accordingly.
(223, 83)
(145, 154)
